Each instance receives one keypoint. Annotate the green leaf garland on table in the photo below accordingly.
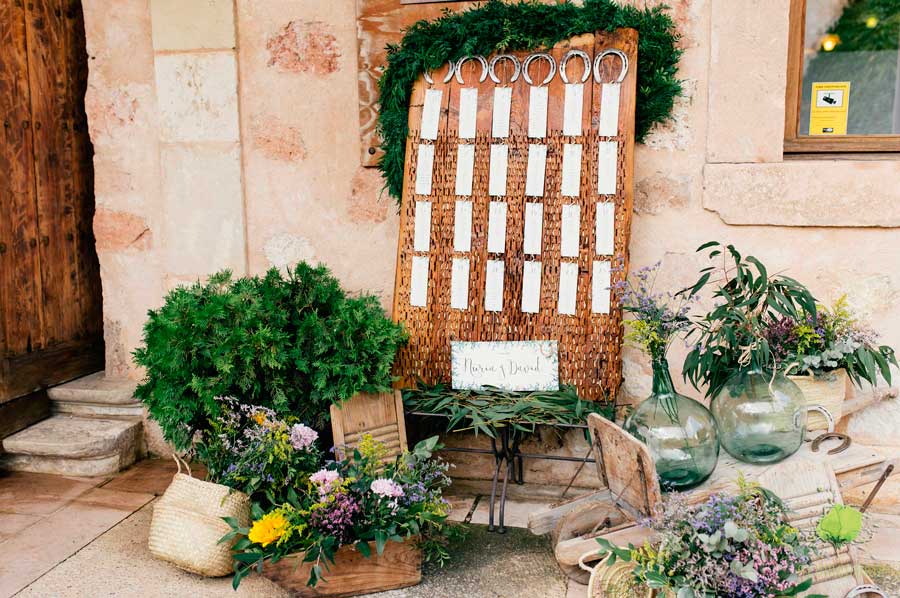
(484, 411)
(496, 26)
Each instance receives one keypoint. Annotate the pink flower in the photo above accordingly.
(387, 488)
(303, 437)
(325, 479)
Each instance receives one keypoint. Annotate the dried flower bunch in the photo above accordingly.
(658, 317)
(356, 501)
(730, 546)
(831, 340)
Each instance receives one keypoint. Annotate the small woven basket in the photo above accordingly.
(614, 581)
(826, 390)
(187, 524)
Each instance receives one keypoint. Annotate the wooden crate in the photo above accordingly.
(352, 574)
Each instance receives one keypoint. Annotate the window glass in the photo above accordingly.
(851, 63)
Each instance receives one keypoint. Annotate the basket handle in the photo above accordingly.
(179, 462)
(584, 557)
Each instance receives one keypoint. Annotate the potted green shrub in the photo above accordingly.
(761, 415)
(820, 356)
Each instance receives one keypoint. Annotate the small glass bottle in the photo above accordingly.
(679, 431)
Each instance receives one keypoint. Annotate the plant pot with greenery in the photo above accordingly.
(761, 414)
(825, 353)
(679, 431)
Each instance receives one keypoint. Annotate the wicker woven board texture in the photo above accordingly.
(590, 341)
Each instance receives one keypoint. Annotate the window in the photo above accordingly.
(843, 84)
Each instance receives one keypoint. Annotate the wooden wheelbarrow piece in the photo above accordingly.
(379, 415)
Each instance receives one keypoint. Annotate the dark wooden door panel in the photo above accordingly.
(50, 298)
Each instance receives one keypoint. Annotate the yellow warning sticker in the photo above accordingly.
(828, 108)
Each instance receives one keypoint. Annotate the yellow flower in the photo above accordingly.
(269, 529)
(260, 418)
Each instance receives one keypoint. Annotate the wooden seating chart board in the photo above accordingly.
(517, 208)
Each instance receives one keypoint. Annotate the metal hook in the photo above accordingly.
(450, 68)
(517, 66)
(531, 58)
(484, 67)
(611, 52)
(584, 58)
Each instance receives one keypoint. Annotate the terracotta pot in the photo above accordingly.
(826, 390)
(351, 574)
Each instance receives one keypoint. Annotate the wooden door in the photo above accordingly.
(50, 300)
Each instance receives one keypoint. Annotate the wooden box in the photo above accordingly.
(351, 574)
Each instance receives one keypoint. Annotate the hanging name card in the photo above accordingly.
(571, 230)
(431, 113)
(424, 169)
(574, 100)
(493, 286)
(609, 110)
(537, 112)
(511, 366)
(568, 288)
(607, 167)
(531, 287)
(571, 170)
(534, 227)
(502, 104)
(497, 227)
(600, 288)
(499, 166)
(606, 228)
(462, 226)
(459, 284)
(468, 111)
(422, 234)
(537, 168)
(465, 168)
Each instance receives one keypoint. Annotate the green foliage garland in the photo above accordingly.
(527, 25)
(295, 343)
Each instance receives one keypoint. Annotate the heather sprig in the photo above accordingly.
(657, 317)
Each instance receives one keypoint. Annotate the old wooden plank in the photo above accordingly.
(379, 415)
(23, 374)
(20, 290)
(542, 522)
(47, 80)
(20, 413)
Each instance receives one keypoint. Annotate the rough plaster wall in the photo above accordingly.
(715, 172)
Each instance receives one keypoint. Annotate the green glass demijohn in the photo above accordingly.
(761, 416)
(679, 431)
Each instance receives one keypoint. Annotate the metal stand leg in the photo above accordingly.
(510, 471)
(498, 460)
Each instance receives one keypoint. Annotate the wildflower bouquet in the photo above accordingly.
(727, 547)
(354, 501)
(249, 448)
(834, 339)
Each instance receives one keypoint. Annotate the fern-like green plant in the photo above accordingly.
(296, 343)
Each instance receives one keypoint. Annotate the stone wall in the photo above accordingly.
(226, 135)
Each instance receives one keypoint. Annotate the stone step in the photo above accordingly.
(132, 411)
(96, 389)
(66, 445)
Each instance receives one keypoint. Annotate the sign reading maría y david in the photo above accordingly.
(508, 365)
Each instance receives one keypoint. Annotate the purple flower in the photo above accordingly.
(325, 479)
(336, 518)
(303, 437)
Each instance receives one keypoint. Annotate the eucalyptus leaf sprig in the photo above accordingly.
(731, 337)
(484, 411)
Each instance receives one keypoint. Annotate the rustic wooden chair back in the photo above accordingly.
(626, 468)
(380, 415)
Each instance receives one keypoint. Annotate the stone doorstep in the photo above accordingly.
(69, 445)
(97, 389)
(97, 410)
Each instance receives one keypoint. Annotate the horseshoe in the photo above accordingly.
(584, 59)
(480, 59)
(531, 58)
(845, 444)
(450, 68)
(611, 52)
(516, 65)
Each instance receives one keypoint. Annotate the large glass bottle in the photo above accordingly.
(679, 431)
(761, 416)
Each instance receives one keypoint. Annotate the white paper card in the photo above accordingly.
(571, 230)
(459, 284)
(462, 226)
(568, 287)
(497, 227)
(607, 166)
(508, 365)
(499, 163)
(537, 165)
(493, 286)
(600, 288)
(418, 284)
(431, 113)
(609, 110)
(531, 287)
(468, 110)
(572, 107)
(571, 170)
(534, 228)
(502, 103)
(422, 235)
(465, 168)
(424, 168)
(537, 112)
(606, 227)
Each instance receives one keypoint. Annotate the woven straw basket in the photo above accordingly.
(825, 390)
(615, 581)
(187, 524)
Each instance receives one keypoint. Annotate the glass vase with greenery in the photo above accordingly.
(761, 415)
(679, 431)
